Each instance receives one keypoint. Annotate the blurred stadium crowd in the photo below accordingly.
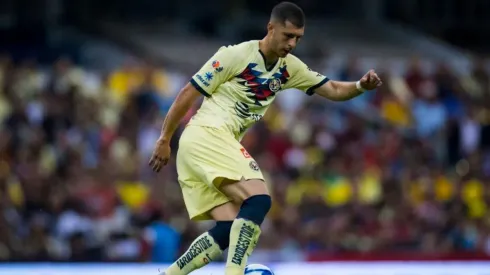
(406, 168)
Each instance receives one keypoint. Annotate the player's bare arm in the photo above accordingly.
(183, 102)
(342, 91)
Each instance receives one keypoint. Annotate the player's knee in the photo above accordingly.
(221, 233)
(255, 208)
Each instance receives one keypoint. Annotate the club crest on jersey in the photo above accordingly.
(254, 166)
(275, 85)
(217, 66)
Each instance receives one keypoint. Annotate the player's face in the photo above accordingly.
(285, 37)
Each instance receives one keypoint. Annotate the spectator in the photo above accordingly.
(75, 186)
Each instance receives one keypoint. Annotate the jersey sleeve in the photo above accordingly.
(216, 71)
(303, 78)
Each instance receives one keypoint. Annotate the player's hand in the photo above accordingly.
(160, 155)
(370, 80)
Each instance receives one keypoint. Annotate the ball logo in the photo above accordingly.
(254, 166)
(275, 85)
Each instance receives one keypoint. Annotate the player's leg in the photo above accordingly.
(245, 230)
(210, 245)
(219, 161)
(224, 216)
(203, 202)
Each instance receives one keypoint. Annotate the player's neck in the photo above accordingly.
(269, 56)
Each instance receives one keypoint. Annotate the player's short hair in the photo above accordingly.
(287, 11)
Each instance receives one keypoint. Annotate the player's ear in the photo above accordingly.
(270, 27)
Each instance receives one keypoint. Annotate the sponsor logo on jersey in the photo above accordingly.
(243, 111)
(202, 80)
(208, 76)
(217, 66)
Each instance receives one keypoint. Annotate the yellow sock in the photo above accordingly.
(243, 238)
(202, 251)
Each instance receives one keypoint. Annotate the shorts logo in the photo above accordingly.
(254, 166)
(245, 153)
(275, 85)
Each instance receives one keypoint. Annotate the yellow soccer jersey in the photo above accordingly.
(238, 88)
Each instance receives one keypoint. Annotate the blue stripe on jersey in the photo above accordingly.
(311, 90)
(198, 88)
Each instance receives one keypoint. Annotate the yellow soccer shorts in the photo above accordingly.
(205, 157)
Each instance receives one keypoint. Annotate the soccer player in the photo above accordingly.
(220, 180)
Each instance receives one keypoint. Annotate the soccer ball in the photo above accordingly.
(258, 269)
